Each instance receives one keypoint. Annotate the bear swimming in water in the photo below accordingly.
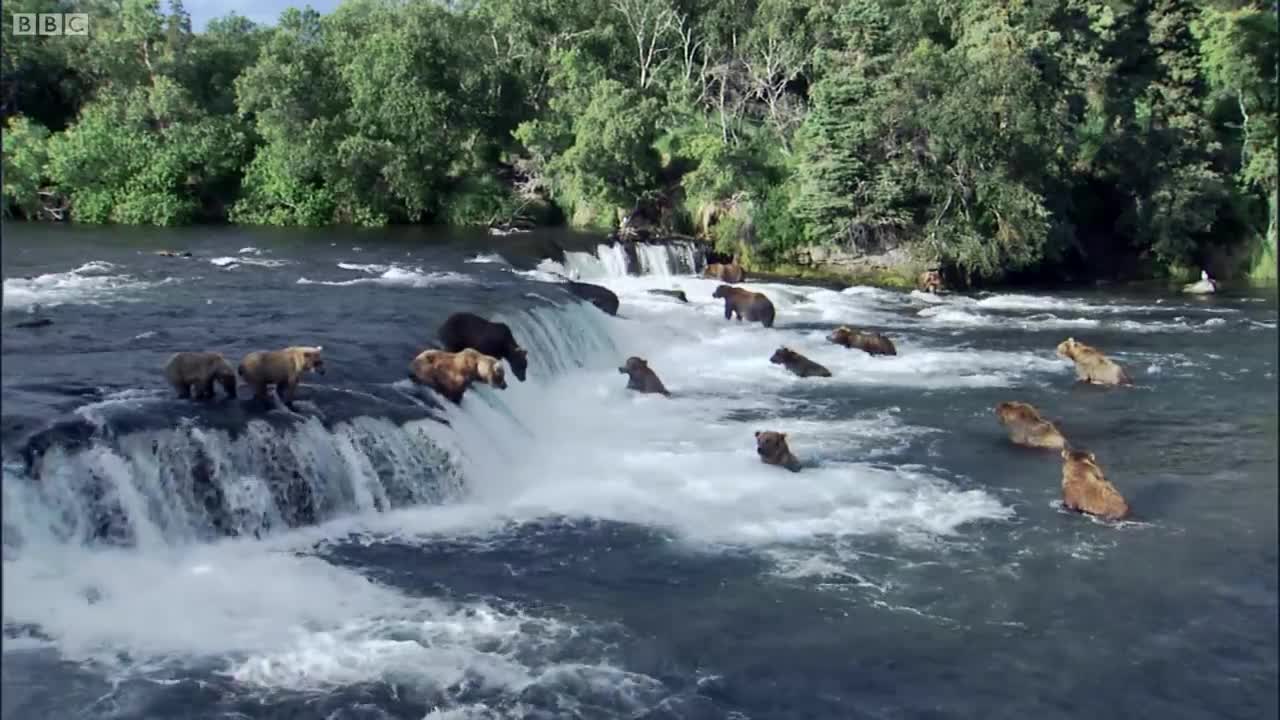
(753, 306)
(450, 374)
(467, 330)
(1027, 428)
(1085, 489)
(677, 294)
(281, 368)
(1091, 365)
(772, 448)
(798, 364)
(643, 378)
(200, 370)
(601, 297)
(869, 342)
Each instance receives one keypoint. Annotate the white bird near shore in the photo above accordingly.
(1205, 286)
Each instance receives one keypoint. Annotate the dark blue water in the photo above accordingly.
(563, 548)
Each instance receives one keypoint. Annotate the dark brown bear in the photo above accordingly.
(601, 297)
(467, 330)
(643, 378)
(677, 294)
(798, 364)
(200, 370)
(772, 448)
(869, 342)
(753, 306)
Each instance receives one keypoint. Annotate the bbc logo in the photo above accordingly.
(51, 24)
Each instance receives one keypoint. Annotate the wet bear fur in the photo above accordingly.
(798, 364)
(1091, 365)
(753, 306)
(450, 374)
(642, 377)
(282, 368)
(869, 342)
(200, 370)
(772, 448)
(467, 330)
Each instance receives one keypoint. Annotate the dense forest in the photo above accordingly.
(991, 137)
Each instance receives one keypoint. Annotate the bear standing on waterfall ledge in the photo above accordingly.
(450, 374)
(467, 330)
(1091, 365)
(753, 306)
(281, 368)
(201, 370)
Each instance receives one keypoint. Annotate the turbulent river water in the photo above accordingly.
(564, 548)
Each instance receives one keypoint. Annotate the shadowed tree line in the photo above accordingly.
(997, 139)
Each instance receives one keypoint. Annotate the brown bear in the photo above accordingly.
(755, 307)
(201, 370)
(772, 448)
(450, 374)
(1027, 428)
(1091, 365)
(643, 378)
(467, 330)
(1086, 490)
(677, 294)
(930, 281)
(281, 368)
(730, 273)
(869, 342)
(601, 297)
(797, 363)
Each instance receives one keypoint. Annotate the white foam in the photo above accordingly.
(230, 262)
(394, 276)
(94, 282)
(489, 258)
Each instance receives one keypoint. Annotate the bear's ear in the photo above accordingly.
(782, 436)
(1092, 458)
(757, 434)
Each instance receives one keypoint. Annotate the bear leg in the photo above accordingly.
(184, 390)
(728, 310)
(206, 390)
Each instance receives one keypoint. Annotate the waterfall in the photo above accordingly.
(622, 259)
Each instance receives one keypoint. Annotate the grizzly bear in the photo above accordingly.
(772, 448)
(200, 370)
(755, 307)
(730, 273)
(872, 343)
(1086, 490)
(930, 281)
(677, 294)
(797, 363)
(466, 330)
(1027, 428)
(1091, 365)
(643, 378)
(601, 297)
(450, 374)
(281, 368)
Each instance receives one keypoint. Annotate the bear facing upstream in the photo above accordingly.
(467, 330)
(1085, 489)
(643, 378)
(281, 368)
(1027, 428)
(450, 374)
(797, 363)
(772, 448)
(753, 306)
(1091, 365)
(601, 297)
(869, 342)
(201, 370)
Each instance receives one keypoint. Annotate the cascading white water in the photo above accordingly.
(610, 260)
(184, 484)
